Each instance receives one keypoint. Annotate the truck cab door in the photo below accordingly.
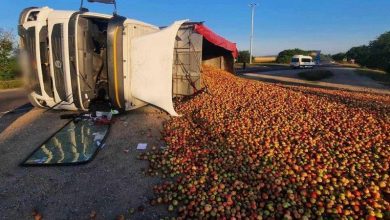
(151, 67)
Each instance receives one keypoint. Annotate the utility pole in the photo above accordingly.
(253, 7)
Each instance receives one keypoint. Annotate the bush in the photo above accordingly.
(315, 75)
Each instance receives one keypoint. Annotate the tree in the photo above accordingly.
(374, 55)
(7, 52)
(326, 57)
(286, 55)
(243, 56)
(339, 57)
(359, 54)
(380, 52)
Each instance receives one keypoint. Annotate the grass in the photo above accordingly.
(376, 75)
(10, 84)
(10, 81)
(315, 75)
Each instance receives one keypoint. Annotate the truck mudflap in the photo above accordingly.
(115, 62)
(152, 58)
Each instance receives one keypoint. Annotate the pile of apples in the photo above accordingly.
(244, 149)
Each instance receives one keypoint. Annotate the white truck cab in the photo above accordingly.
(301, 61)
(33, 31)
(70, 58)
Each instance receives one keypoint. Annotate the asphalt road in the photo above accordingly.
(262, 68)
(13, 104)
(113, 183)
(12, 98)
(343, 78)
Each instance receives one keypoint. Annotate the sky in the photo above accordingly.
(331, 26)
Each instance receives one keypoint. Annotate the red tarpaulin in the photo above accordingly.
(216, 39)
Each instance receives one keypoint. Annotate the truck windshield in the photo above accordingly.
(295, 60)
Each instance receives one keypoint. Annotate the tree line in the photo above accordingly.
(286, 55)
(374, 55)
(8, 60)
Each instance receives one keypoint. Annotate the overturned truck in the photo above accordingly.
(70, 58)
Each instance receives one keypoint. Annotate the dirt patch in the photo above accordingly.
(113, 183)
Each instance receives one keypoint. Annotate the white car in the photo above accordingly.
(301, 61)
